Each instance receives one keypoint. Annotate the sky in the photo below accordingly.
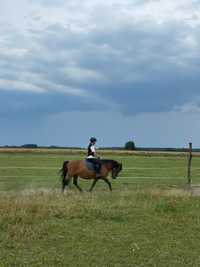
(118, 70)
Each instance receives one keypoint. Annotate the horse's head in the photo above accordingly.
(116, 168)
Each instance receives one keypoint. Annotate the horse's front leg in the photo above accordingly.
(93, 184)
(108, 182)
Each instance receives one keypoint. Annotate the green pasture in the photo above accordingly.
(20, 171)
(149, 219)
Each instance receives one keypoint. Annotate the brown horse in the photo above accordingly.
(78, 168)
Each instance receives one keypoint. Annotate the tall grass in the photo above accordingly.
(123, 228)
(148, 219)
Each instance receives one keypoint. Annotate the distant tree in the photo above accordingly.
(30, 146)
(130, 145)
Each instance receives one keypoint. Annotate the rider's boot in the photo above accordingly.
(98, 175)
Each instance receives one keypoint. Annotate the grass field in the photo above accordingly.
(148, 219)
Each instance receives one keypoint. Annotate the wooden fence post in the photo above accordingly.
(189, 164)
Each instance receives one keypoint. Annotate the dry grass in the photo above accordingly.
(63, 151)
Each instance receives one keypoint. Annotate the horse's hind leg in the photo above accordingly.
(65, 182)
(75, 182)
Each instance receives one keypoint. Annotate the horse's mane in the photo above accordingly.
(114, 163)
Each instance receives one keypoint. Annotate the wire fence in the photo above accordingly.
(131, 174)
(39, 169)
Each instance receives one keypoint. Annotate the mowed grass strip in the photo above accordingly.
(19, 171)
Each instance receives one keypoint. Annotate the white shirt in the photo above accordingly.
(92, 148)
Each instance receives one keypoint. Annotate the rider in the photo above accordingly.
(92, 156)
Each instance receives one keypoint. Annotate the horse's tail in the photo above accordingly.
(63, 171)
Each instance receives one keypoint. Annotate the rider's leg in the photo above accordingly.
(98, 169)
(97, 166)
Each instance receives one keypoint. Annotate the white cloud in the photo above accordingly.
(191, 107)
(20, 86)
(78, 74)
(116, 49)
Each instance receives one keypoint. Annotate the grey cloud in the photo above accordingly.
(20, 104)
(137, 68)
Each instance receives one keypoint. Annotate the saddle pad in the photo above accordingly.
(89, 165)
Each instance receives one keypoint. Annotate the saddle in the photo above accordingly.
(89, 165)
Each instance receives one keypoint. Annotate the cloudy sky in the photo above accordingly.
(117, 70)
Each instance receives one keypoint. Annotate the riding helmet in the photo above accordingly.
(93, 139)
